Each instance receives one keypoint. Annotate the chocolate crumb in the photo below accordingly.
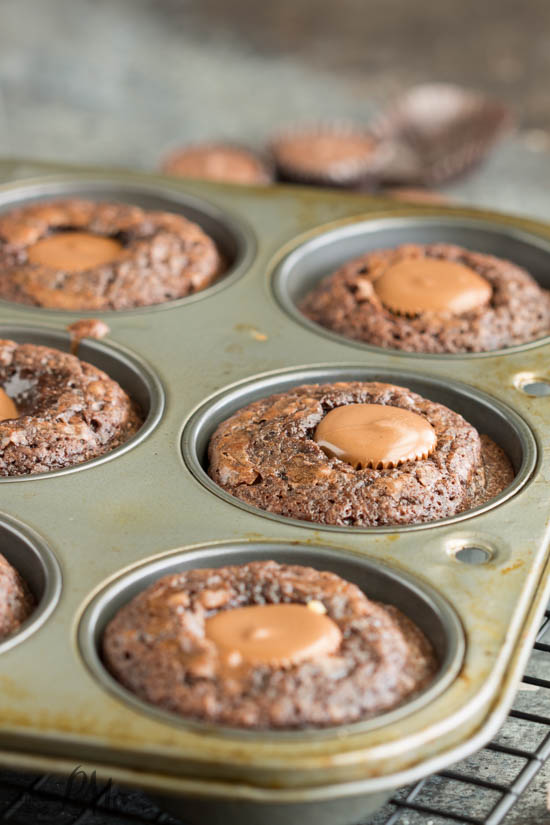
(87, 328)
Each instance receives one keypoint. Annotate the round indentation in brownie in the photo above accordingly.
(73, 411)
(37, 567)
(230, 238)
(303, 270)
(502, 430)
(419, 603)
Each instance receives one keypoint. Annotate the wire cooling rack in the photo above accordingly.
(480, 790)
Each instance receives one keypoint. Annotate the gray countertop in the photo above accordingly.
(91, 81)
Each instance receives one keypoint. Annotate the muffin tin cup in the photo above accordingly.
(233, 237)
(199, 361)
(488, 415)
(35, 562)
(306, 265)
(340, 811)
(131, 372)
(419, 602)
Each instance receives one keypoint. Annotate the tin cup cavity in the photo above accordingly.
(489, 416)
(37, 565)
(333, 810)
(133, 374)
(234, 239)
(419, 602)
(303, 268)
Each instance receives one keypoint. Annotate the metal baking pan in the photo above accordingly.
(100, 531)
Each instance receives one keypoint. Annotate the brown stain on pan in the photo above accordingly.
(511, 567)
(83, 722)
(13, 690)
(252, 331)
(80, 720)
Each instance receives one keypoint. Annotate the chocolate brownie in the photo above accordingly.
(162, 646)
(267, 455)
(222, 162)
(16, 600)
(68, 411)
(514, 310)
(78, 254)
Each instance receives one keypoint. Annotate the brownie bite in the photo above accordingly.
(326, 154)
(78, 254)
(220, 162)
(57, 411)
(359, 454)
(409, 194)
(435, 298)
(266, 645)
(16, 600)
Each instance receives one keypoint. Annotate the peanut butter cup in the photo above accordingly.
(77, 254)
(357, 454)
(7, 407)
(420, 285)
(329, 154)
(266, 645)
(434, 298)
(375, 435)
(276, 635)
(222, 162)
(63, 411)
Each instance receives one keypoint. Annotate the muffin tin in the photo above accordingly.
(89, 537)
